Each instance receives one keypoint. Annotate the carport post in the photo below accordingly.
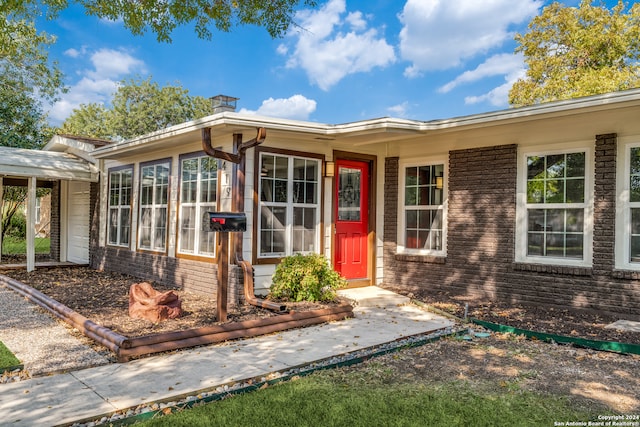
(31, 224)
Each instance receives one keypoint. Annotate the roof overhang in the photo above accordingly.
(364, 132)
(45, 165)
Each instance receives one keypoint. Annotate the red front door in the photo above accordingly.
(351, 215)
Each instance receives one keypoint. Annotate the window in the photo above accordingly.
(119, 227)
(555, 221)
(198, 194)
(289, 205)
(38, 209)
(422, 201)
(154, 196)
(628, 220)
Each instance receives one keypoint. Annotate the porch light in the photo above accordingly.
(329, 169)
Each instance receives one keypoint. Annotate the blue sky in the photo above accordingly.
(352, 60)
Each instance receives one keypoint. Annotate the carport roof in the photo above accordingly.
(45, 165)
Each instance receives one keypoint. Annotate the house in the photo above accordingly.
(534, 205)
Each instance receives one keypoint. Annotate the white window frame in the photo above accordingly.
(289, 206)
(119, 207)
(624, 204)
(38, 209)
(401, 232)
(522, 205)
(200, 208)
(155, 207)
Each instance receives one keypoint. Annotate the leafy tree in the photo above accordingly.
(138, 107)
(572, 52)
(26, 79)
(162, 17)
(88, 120)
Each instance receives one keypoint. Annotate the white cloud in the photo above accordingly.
(97, 84)
(356, 20)
(499, 96)
(399, 110)
(442, 34)
(72, 53)
(330, 47)
(110, 63)
(295, 107)
(501, 64)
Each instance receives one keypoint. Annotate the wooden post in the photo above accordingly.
(31, 224)
(223, 276)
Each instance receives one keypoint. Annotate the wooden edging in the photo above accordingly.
(125, 348)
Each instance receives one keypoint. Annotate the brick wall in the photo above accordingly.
(54, 218)
(480, 266)
(189, 275)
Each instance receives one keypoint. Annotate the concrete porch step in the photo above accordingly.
(373, 296)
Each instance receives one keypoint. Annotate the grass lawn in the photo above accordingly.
(19, 246)
(7, 359)
(357, 399)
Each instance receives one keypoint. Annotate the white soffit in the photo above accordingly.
(46, 165)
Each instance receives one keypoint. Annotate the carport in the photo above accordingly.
(39, 168)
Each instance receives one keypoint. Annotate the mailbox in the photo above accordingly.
(224, 222)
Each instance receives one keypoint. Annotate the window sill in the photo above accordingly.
(200, 258)
(626, 274)
(566, 270)
(267, 261)
(125, 247)
(427, 259)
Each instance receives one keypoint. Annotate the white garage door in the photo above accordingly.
(78, 222)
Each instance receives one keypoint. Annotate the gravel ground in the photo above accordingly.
(42, 344)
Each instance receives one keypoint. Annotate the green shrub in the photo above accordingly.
(17, 226)
(305, 278)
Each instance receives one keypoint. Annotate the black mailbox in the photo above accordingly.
(225, 222)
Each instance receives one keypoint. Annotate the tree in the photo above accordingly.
(88, 120)
(162, 17)
(138, 107)
(26, 80)
(141, 107)
(572, 52)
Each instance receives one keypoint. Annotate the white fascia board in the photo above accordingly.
(380, 125)
(45, 165)
(557, 109)
(60, 143)
(221, 120)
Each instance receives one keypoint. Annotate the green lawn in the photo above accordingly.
(7, 359)
(323, 399)
(12, 246)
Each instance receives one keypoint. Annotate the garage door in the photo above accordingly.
(78, 222)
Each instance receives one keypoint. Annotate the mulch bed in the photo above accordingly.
(572, 323)
(103, 297)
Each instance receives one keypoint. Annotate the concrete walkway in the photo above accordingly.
(380, 317)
